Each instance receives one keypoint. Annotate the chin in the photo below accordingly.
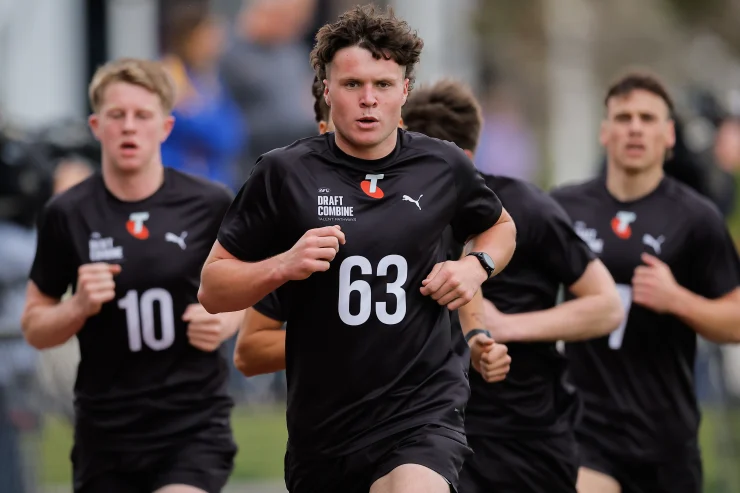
(128, 166)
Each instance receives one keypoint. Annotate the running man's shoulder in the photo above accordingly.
(694, 204)
(299, 152)
(429, 146)
(190, 189)
(75, 197)
(580, 189)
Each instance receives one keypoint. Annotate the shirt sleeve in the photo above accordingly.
(248, 228)
(478, 207)
(271, 306)
(54, 267)
(564, 254)
(716, 268)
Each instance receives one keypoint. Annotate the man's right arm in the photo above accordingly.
(48, 322)
(243, 267)
(229, 284)
(260, 346)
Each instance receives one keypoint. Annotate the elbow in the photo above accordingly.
(241, 364)
(208, 301)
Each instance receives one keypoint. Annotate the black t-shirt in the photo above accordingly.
(533, 400)
(139, 382)
(367, 354)
(638, 383)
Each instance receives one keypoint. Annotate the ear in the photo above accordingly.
(327, 98)
(400, 123)
(94, 122)
(322, 127)
(169, 123)
(469, 153)
(405, 90)
(670, 138)
(604, 133)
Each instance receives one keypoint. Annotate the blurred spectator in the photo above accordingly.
(209, 132)
(25, 185)
(267, 69)
(507, 144)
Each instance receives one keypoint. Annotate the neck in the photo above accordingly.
(378, 151)
(132, 187)
(627, 187)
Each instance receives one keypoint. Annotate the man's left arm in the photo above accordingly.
(710, 304)
(481, 222)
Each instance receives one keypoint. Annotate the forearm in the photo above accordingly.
(232, 321)
(47, 326)
(499, 242)
(715, 320)
(261, 352)
(575, 320)
(472, 314)
(229, 285)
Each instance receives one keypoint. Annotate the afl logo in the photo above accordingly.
(324, 190)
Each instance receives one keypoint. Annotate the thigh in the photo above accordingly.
(204, 462)
(111, 482)
(437, 453)
(309, 473)
(598, 473)
(535, 465)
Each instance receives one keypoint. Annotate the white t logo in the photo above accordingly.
(138, 219)
(373, 181)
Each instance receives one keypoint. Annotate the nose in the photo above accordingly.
(636, 126)
(128, 123)
(368, 98)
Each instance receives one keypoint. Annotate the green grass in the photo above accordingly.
(259, 433)
(261, 436)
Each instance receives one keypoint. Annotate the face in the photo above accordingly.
(206, 44)
(131, 125)
(727, 146)
(366, 96)
(637, 131)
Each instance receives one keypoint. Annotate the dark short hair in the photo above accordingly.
(320, 108)
(634, 81)
(446, 110)
(381, 33)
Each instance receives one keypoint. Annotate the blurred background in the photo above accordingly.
(539, 67)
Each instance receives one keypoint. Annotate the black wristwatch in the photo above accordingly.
(485, 261)
(474, 333)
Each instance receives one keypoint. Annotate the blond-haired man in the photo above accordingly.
(152, 412)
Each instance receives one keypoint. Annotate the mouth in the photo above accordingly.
(367, 122)
(128, 148)
(635, 148)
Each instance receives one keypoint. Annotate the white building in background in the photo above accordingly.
(45, 53)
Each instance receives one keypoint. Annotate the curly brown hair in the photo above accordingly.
(320, 108)
(446, 110)
(381, 33)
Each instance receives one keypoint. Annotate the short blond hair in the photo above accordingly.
(149, 74)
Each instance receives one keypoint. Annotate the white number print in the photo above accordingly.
(140, 319)
(347, 286)
(616, 337)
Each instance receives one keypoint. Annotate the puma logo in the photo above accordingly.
(406, 198)
(179, 240)
(654, 243)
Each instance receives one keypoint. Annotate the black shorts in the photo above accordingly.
(204, 460)
(437, 448)
(538, 465)
(679, 474)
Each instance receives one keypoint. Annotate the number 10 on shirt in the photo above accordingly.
(140, 319)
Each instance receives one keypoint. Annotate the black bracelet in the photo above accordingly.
(474, 333)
